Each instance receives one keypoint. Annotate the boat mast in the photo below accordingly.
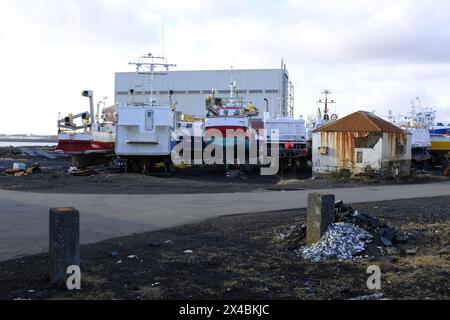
(326, 116)
(156, 66)
(232, 87)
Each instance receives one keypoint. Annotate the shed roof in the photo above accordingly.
(360, 121)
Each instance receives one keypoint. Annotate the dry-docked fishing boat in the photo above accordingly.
(229, 119)
(86, 135)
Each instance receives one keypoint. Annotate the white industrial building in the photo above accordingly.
(191, 88)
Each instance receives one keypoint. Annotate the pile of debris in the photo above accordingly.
(74, 171)
(354, 235)
(342, 241)
(96, 169)
(291, 237)
(21, 169)
(383, 234)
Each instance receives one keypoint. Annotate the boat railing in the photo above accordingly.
(147, 105)
(67, 124)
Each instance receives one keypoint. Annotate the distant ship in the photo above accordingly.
(420, 135)
(425, 117)
(429, 138)
(440, 137)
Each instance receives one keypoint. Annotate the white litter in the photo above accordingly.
(341, 241)
(19, 166)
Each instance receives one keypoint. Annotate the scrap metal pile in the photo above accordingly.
(342, 241)
(354, 235)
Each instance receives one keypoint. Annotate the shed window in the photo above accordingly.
(359, 157)
(399, 147)
(323, 150)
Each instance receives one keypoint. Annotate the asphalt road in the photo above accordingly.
(24, 215)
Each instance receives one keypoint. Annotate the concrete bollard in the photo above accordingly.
(64, 242)
(320, 216)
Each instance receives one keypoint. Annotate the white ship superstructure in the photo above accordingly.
(146, 131)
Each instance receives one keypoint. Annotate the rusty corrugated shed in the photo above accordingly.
(360, 121)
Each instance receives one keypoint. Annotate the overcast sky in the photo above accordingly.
(372, 54)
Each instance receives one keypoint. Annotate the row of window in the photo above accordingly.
(195, 92)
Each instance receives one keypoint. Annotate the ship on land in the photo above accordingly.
(421, 141)
(228, 121)
(431, 138)
(87, 137)
(146, 128)
(232, 122)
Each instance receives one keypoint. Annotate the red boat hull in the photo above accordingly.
(223, 129)
(84, 146)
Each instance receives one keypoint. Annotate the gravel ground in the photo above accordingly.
(239, 257)
(55, 179)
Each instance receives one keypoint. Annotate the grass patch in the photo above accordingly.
(286, 182)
